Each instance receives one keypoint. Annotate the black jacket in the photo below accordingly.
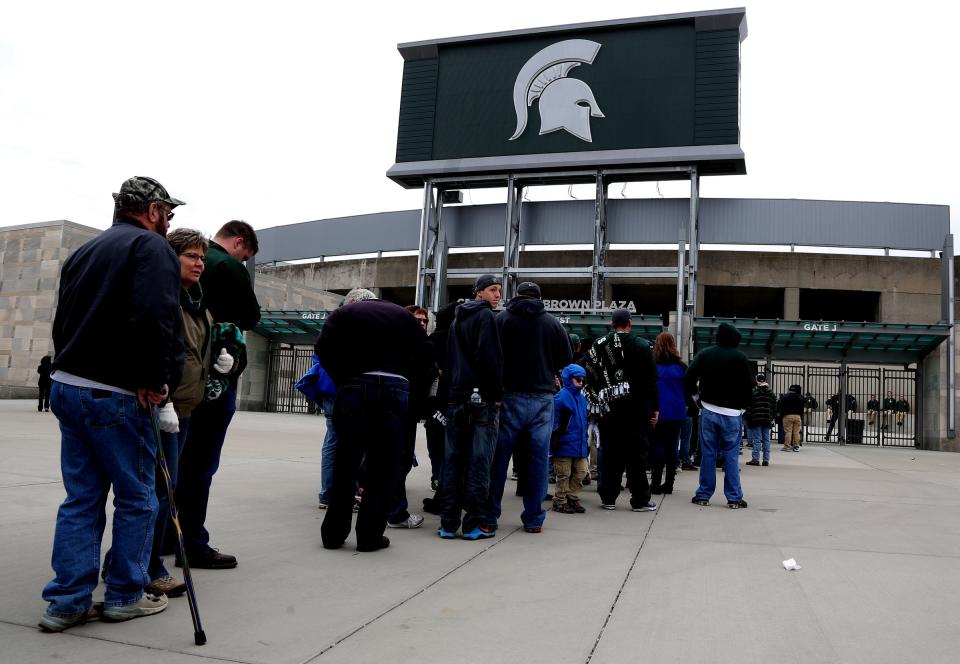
(790, 403)
(438, 343)
(535, 346)
(118, 316)
(375, 335)
(474, 357)
(722, 372)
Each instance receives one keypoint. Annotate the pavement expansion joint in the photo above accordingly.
(623, 584)
(399, 604)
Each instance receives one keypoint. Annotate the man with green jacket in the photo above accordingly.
(721, 380)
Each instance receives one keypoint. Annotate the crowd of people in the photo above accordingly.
(494, 386)
(173, 306)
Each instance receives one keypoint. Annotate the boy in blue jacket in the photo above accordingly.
(568, 443)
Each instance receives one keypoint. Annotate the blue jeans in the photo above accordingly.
(526, 417)
(720, 434)
(686, 429)
(328, 454)
(760, 437)
(199, 463)
(106, 440)
(370, 415)
(172, 447)
(465, 484)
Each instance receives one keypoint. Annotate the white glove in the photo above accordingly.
(224, 363)
(169, 422)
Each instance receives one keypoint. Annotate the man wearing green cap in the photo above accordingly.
(119, 351)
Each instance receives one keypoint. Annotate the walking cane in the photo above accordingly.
(198, 636)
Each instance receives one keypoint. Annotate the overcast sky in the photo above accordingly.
(284, 112)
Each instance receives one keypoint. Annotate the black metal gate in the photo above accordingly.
(880, 404)
(287, 365)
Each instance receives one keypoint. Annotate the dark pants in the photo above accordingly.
(44, 401)
(436, 444)
(664, 441)
(398, 511)
(371, 419)
(199, 463)
(623, 439)
(465, 485)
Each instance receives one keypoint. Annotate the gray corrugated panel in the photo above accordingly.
(824, 223)
(385, 231)
(630, 221)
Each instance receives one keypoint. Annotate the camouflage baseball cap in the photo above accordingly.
(140, 189)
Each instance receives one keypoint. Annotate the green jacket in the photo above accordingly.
(763, 407)
(721, 373)
(227, 291)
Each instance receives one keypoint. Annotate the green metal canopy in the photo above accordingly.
(291, 327)
(302, 327)
(832, 341)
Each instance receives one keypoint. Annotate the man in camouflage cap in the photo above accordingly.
(119, 352)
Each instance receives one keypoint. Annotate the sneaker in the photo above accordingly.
(489, 530)
(412, 521)
(702, 502)
(446, 534)
(586, 481)
(752, 462)
(147, 605)
(576, 506)
(796, 449)
(375, 546)
(166, 585)
(208, 558)
(789, 449)
(563, 508)
(478, 533)
(649, 507)
(322, 506)
(51, 623)
(514, 476)
(608, 506)
(737, 504)
(689, 466)
(533, 530)
(766, 463)
(434, 485)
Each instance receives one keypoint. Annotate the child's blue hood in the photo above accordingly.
(569, 372)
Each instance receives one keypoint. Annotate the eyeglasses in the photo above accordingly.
(170, 213)
(194, 257)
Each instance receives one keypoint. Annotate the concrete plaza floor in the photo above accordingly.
(876, 531)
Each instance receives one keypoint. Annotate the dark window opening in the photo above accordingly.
(649, 299)
(845, 305)
(743, 302)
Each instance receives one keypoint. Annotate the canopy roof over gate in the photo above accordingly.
(832, 341)
(812, 341)
(302, 327)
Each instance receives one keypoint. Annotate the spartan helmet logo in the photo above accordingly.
(565, 103)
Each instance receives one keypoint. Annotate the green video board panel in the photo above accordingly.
(621, 88)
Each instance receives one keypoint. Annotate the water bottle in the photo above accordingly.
(475, 399)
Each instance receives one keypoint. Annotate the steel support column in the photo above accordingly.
(599, 240)
(842, 405)
(427, 244)
(947, 256)
(511, 240)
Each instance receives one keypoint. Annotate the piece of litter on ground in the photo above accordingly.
(791, 565)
